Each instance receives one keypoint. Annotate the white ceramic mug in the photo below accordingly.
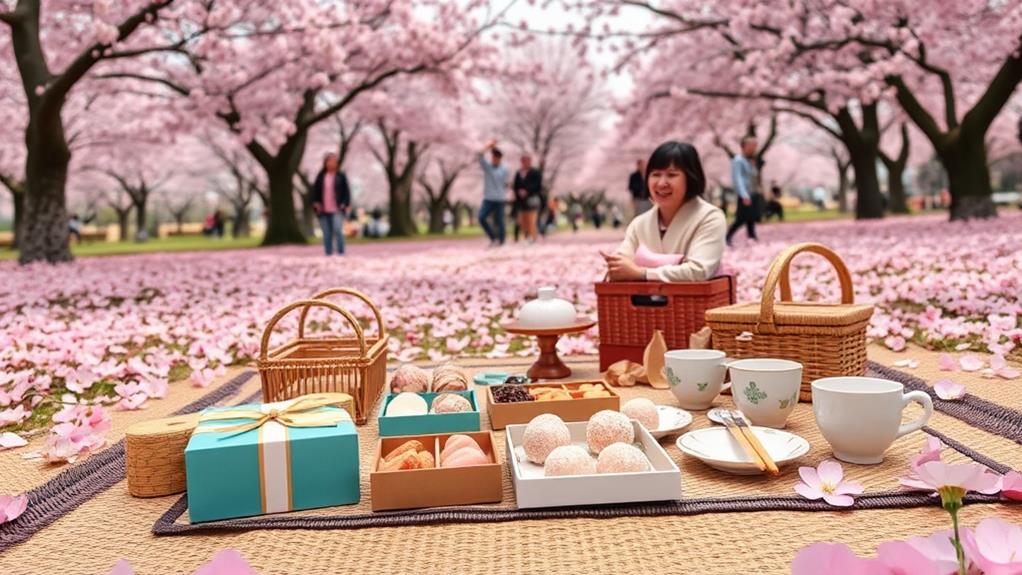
(766, 390)
(861, 416)
(696, 376)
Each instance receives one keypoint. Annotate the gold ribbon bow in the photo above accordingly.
(305, 412)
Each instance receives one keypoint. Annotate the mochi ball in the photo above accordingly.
(621, 458)
(450, 377)
(545, 433)
(450, 403)
(569, 460)
(408, 377)
(644, 411)
(606, 427)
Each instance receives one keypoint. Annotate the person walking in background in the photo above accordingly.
(744, 179)
(75, 228)
(528, 186)
(331, 197)
(638, 190)
(773, 206)
(550, 215)
(494, 193)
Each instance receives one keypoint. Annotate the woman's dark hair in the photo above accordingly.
(683, 156)
(326, 157)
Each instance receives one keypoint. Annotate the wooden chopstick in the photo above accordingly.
(771, 466)
(736, 431)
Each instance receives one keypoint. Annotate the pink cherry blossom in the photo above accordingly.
(995, 547)
(947, 363)
(834, 558)
(10, 440)
(969, 362)
(999, 366)
(826, 482)
(964, 476)
(939, 549)
(902, 557)
(1011, 485)
(11, 507)
(226, 562)
(949, 390)
(895, 342)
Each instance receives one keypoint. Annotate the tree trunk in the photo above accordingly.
(180, 220)
(402, 224)
(896, 189)
(308, 221)
(895, 174)
(19, 208)
(45, 227)
(842, 188)
(122, 222)
(436, 216)
(282, 223)
(965, 159)
(242, 229)
(863, 148)
(140, 219)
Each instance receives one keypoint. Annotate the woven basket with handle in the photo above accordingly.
(356, 365)
(827, 339)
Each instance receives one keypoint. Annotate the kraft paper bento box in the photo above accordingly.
(577, 408)
(436, 487)
(269, 458)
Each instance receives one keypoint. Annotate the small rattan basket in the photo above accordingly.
(827, 339)
(154, 453)
(354, 365)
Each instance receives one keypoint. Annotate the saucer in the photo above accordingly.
(714, 415)
(716, 447)
(672, 420)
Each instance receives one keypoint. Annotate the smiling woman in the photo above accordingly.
(682, 237)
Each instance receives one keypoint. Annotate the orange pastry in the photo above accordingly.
(412, 446)
(409, 459)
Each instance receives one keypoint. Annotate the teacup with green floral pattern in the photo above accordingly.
(766, 390)
(696, 376)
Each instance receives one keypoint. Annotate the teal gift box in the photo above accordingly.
(269, 458)
(429, 423)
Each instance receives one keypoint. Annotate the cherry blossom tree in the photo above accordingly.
(282, 68)
(55, 46)
(553, 110)
(437, 179)
(840, 59)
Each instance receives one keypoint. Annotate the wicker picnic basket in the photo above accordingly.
(356, 365)
(629, 313)
(827, 339)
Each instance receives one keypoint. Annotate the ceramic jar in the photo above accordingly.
(547, 311)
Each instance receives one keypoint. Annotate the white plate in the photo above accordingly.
(672, 420)
(716, 447)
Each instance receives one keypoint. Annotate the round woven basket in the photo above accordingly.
(155, 455)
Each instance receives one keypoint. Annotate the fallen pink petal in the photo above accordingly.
(12, 506)
(949, 390)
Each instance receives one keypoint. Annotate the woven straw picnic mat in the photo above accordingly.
(1000, 391)
(698, 480)
(116, 525)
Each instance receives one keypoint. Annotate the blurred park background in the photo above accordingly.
(178, 125)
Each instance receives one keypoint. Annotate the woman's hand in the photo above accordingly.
(623, 268)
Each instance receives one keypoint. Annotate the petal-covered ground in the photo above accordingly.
(124, 330)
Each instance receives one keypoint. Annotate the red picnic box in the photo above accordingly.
(629, 312)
